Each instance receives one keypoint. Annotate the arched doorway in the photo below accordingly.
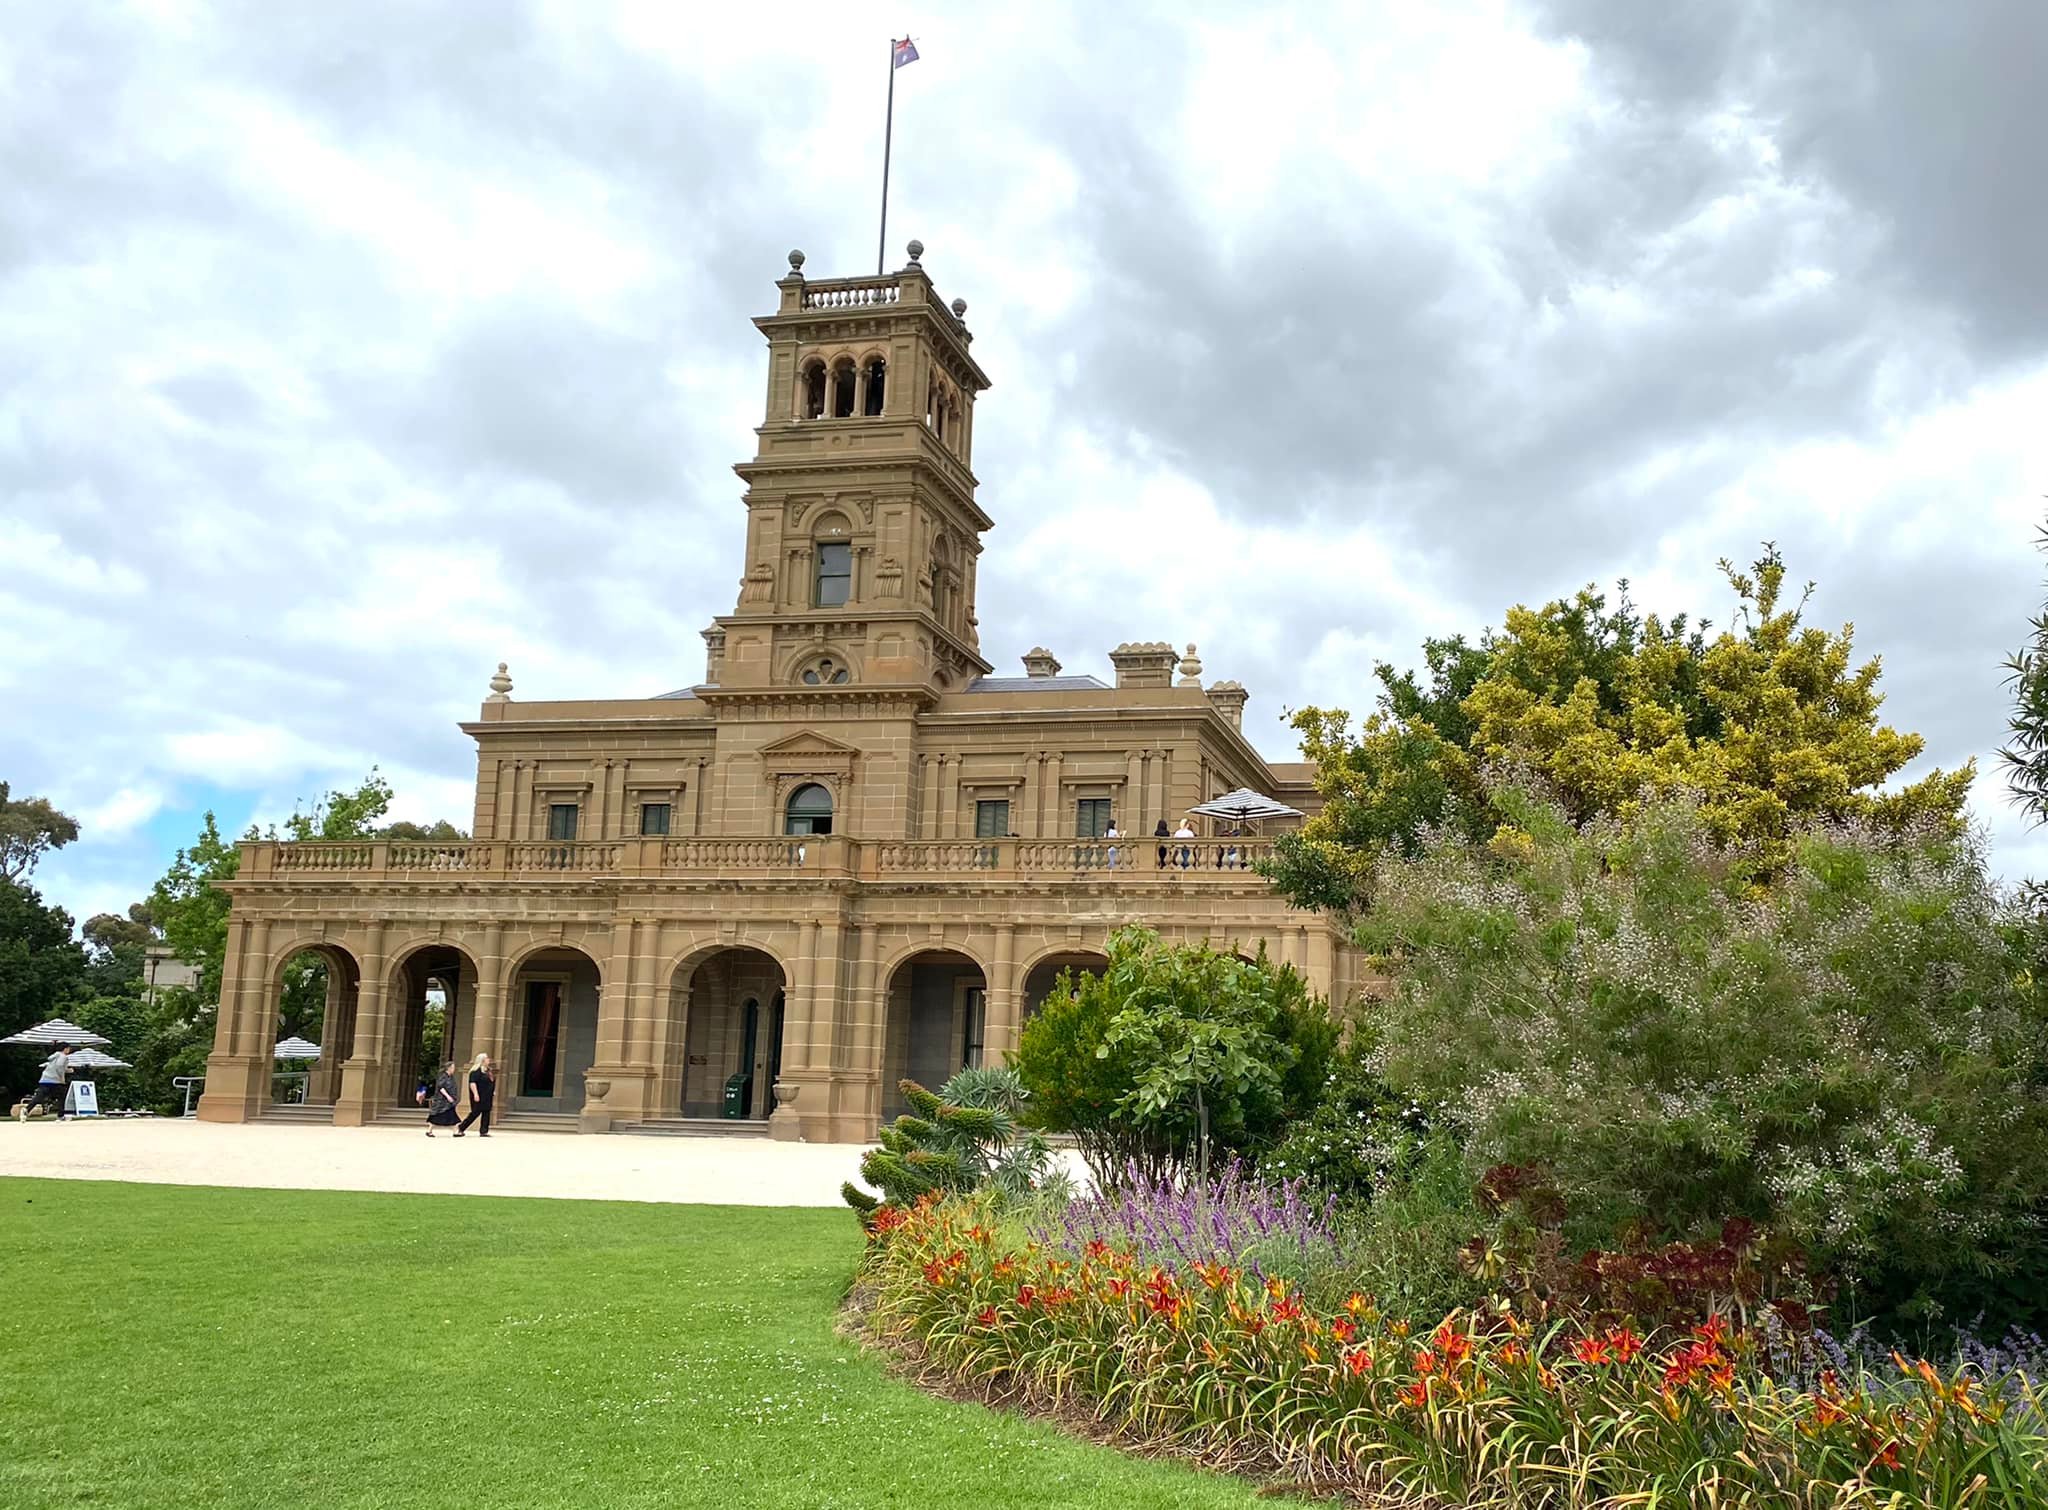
(725, 1016)
(937, 1022)
(551, 1038)
(432, 1005)
(316, 993)
(1043, 976)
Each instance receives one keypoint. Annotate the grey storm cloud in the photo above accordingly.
(292, 452)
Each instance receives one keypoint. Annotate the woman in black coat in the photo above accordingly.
(441, 1101)
(482, 1086)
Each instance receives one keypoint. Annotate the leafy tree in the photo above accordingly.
(30, 827)
(42, 973)
(192, 910)
(1171, 1051)
(1857, 1057)
(1771, 722)
(439, 832)
(2026, 757)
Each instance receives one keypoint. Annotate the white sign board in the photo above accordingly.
(84, 1098)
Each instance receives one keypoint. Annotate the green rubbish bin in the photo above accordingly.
(736, 1094)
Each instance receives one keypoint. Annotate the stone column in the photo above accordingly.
(1055, 822)
(324, 1079)
(1130, 817)
(869, 1019)
(363, 1078)
(1005, 994)
(803, 1094)
(1027, 801)
(615, 1091)
(238, 1080)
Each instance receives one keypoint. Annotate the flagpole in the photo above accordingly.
(888, 130)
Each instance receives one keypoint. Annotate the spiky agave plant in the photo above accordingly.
(962, 1138)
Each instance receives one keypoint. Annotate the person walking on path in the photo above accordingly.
(441, 1103)
(482, 1086)
(50, 1089)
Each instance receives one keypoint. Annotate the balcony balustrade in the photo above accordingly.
(1140, 861)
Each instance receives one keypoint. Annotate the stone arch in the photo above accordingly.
(317, 1082)
(843, 386)
(550, 1038)
(811, 658)
(429, 1013)
(1035, 980)
(935, 1016)
(811, 398)
(874, 382)
(726, 1004)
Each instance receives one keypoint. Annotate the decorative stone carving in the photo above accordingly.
(1191, 669)
(501, 686)
(758, 586)
(1145, 663)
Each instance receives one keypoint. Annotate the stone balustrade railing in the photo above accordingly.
(1143, 860)
(851, 293)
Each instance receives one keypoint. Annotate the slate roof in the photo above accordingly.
(1037, 684)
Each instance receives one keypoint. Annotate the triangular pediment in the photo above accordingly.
(808, 742)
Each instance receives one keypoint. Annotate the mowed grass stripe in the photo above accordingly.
(175, 1345)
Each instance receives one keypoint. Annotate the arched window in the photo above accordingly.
(809, 811)
(826, 672)
(811, 391)
(877, 376)
(842, 389)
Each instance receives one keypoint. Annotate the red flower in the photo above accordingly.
(1453, 1344)
(1357, 1360)
(1025, 1295)
(988, 1317)
(1591, 1350)
(1097, 1249)
(1416, 1394)
(1626, 1344)
(1119, 1288)
(1289, 1309)
(1715, 1330)
(1342, 1330)
(1425, 1362)
(1888, 1454)
(935, 1274)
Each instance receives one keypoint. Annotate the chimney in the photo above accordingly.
(1144, 664)
(1040, 664)
(1229, 698)
(714, 654)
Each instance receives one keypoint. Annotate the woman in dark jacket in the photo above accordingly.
(482, 1086)
(441, 1103)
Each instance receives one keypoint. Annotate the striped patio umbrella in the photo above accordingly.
(1244, 806)
(297, 1048)
(56, 1031)
(93, 1059)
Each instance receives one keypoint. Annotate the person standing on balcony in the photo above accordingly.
(1162, 832)
(482, 1086)
(1112, 836)
(1185, 831)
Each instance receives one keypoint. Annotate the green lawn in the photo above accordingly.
(259, 1347)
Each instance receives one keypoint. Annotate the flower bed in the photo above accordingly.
(1207, 1359)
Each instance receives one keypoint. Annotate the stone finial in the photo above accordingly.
(1041, 663)
(959, 309)
(501, 686)
(796, 263)
(1190, 669)
(916, 250)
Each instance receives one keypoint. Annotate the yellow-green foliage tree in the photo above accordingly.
(1772, 722)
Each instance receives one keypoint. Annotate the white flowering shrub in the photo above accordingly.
(1855, 1054)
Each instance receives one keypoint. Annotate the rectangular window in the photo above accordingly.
(653, 817)
(562, 822)
(1091, 817)
(835, 575)
(991, 820)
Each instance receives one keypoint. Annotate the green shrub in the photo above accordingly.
(1174, 1053)
(1855, 1057)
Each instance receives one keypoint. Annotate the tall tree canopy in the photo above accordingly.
(1771, 722)
(2025, 757)
(30, 827)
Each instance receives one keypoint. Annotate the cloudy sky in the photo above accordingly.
(346, 350)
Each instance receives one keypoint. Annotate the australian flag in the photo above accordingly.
(906, 52)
